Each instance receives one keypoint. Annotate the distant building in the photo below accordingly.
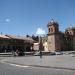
(13, 42)
(36, 46)
(45, 45)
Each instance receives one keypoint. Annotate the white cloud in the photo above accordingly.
(40, 31)
(7, 20)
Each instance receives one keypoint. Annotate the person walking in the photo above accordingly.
(17, 52)
(40, 54)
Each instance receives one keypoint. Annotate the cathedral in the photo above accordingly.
(60, 41)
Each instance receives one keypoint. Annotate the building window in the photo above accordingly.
(49, 29)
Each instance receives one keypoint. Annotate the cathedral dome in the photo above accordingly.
(52, 22)
(70, 30)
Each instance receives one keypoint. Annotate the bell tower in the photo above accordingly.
(70, 33)
(53, 36)
(53, 27)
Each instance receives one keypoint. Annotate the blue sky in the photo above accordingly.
(23, 17)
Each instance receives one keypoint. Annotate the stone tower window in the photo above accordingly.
(49, 29)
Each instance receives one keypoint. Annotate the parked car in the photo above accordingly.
(59, 53)
(37, 54)
(52, 53)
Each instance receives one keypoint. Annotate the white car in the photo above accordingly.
(37, 54)
(58, 53)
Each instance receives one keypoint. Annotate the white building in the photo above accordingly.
(36, 46)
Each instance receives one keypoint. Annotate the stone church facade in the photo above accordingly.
(60, 41)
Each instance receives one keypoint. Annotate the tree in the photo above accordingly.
(36, 38)
(27, 35)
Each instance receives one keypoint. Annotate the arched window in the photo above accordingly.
(49, 29)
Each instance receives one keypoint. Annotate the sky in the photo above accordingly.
(22, 17)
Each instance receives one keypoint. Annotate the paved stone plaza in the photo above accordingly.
(59, 61)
